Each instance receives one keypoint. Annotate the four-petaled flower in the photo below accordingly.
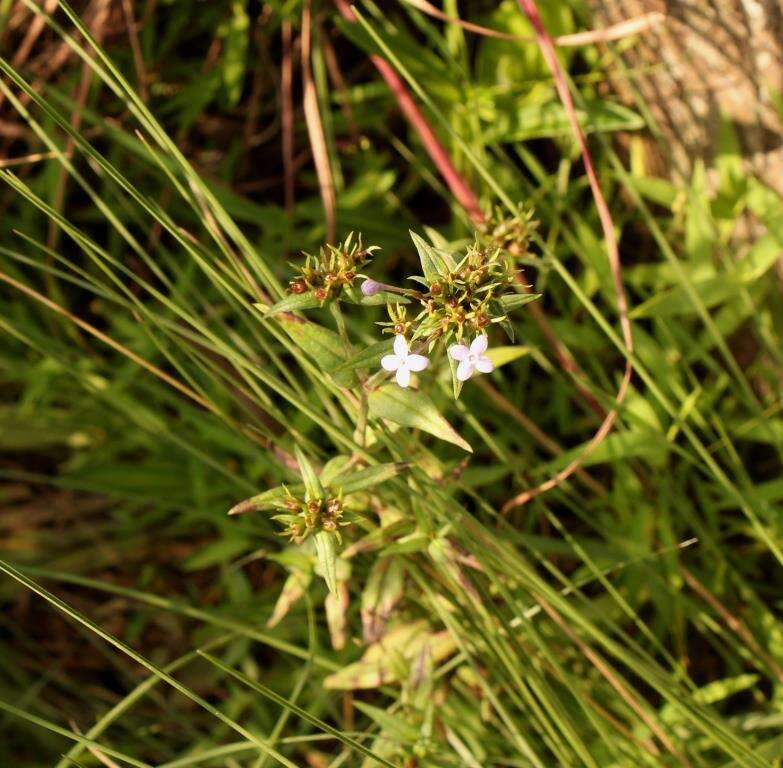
(403, 362)
(471, 358)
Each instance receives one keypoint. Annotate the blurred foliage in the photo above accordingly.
(629, 617)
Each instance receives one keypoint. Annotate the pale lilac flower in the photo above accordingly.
(403, 362)
(471, 358)
(371, 287)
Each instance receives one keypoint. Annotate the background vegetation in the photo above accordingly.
(163, 164)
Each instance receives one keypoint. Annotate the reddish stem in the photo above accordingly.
(440, 157)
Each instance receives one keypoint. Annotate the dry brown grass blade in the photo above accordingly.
(133, 38)
(614, 32)
(287, 109)
(315, 129)
(547, 47)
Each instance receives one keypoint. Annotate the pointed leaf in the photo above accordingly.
(313, 487)
(435, 263)
(367, 478)
(512, 301)
(410, 408)
(292, 303)
(369, 357)
(320, 344)
(326, 551)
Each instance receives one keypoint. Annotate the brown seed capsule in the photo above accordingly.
(297, 286)
(314, 505)
(436, 289)
(322, 294)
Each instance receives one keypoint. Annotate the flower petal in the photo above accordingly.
(400, 346)
(479, 345)
(458, 351)
(464, 370)
(403, 376)
(417, 362)
(390, 362)
(484, 365)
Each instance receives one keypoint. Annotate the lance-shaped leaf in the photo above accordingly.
(292, 303)
(369, 357)
(383, 590)
(410, 408)
(363, 479)
(503, 355)
(435, 263)
(390, 659)
(322, 345)
(271, 499)
(336, 607)
(293, 589)
(512, 301)
(326, 552)
(312, 483)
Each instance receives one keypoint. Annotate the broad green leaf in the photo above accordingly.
(326, 552)
(410, 408)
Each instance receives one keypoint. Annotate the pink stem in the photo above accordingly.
(440, 157)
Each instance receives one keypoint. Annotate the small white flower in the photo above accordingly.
(471, 358)
(403, 362)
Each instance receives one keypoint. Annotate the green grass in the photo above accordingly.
(627, 617)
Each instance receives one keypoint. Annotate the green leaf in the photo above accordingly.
(320, 344)
(435, 264)
(313, 487)
(503, 355)
(512, 301)
(367, 478)
(383, 298)
(326, 551)
(292, 303)
(551, 120)
(271, 499)
(410, 408)
(235, 53)
(369, 357)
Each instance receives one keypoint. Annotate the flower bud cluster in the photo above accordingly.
(308, 517)
(335, 267)
(461, 303)
(509, 233)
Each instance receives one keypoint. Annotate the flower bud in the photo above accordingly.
(371, 287)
